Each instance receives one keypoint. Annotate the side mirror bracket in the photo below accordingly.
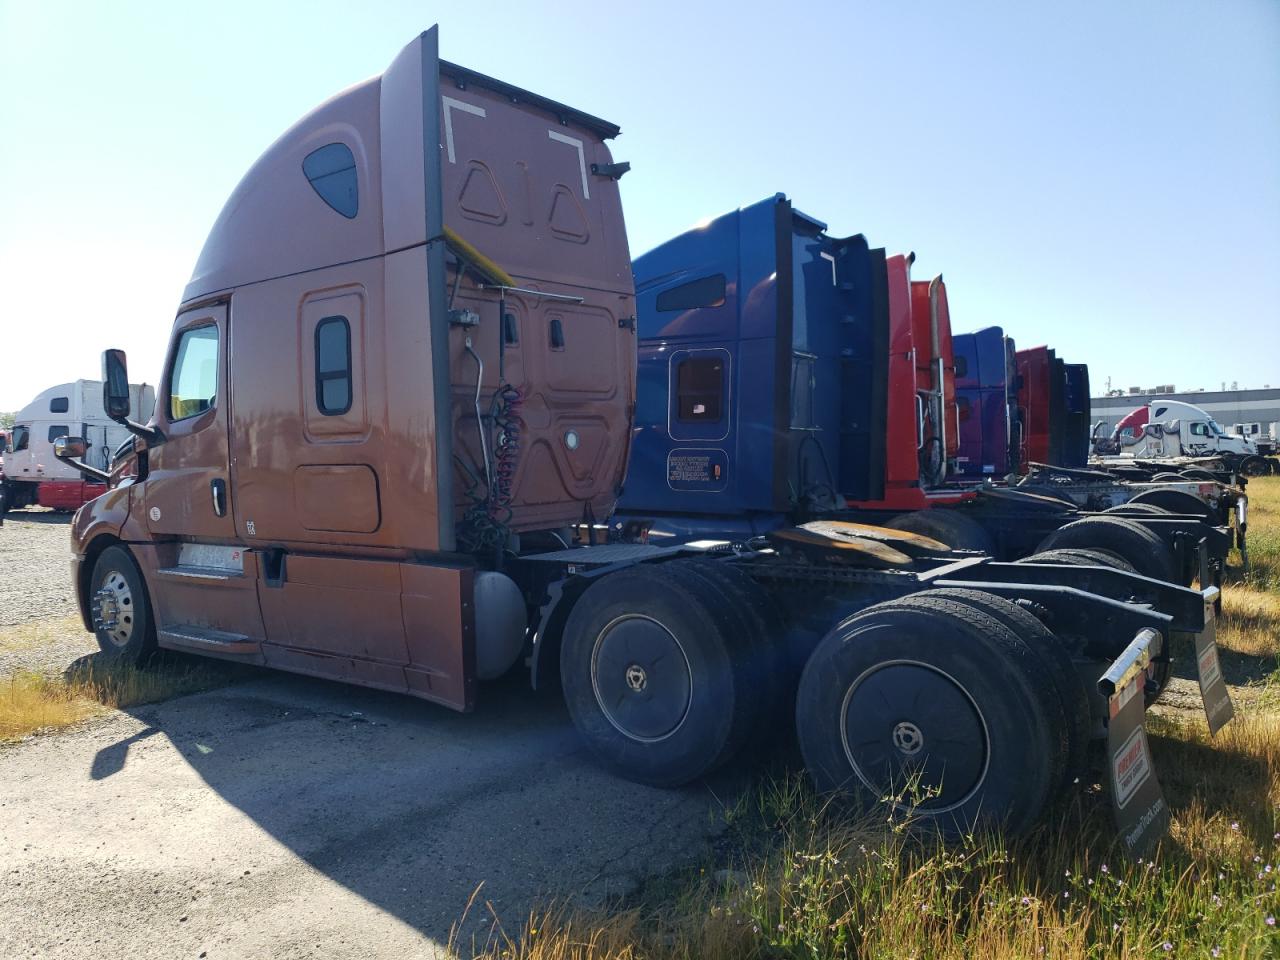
(70, 450)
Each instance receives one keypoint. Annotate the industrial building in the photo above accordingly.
(1255, 410)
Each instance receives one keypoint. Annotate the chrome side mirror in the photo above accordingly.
(70, 448)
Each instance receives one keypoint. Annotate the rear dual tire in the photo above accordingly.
(957, 530)
(1254, 467)
(667, 670)
(1142, 549)
(939, 709)
(1176, 501)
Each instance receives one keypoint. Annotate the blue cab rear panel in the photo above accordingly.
(759, 362)
(983, 375)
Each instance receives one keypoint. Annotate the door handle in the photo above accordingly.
(218, 488)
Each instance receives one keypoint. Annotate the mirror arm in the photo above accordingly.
(150, 434)
(93, 473)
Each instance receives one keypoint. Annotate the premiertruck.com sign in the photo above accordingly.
(1136, 798)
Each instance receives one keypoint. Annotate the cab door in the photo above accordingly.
(188, 490)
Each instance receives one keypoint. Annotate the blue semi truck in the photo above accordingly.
(779, 382)
(987, 408)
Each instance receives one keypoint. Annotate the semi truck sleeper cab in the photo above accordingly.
(404, 372)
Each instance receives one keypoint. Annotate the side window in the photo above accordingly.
(699, 388)
(1199, 429)
(21, 437)
(333, 366)
(331, 171)
(58, 431)
(962, 366)
(193, 383)
(704, 292)
(59, 405)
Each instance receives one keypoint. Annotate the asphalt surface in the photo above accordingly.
(285, 817)
(35, 572)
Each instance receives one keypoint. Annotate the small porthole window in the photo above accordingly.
(333, 366)
(59, 405)
(331, 171)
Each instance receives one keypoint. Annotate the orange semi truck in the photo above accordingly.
(403, 375)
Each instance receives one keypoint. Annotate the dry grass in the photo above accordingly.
(1264, 535)
(31, 702)
(808, 881)
(1250, 621)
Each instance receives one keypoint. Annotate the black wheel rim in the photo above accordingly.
(641, 678)
(912, 732)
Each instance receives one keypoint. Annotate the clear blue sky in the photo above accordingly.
(1102, 176)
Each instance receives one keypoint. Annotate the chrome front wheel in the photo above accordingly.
(120, 608)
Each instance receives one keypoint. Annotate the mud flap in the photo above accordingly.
(1218, 709)
(1242, 529)
(1142, 816)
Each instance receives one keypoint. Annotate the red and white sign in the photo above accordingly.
(1131, 767)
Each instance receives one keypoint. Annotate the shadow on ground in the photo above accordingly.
(307, 792)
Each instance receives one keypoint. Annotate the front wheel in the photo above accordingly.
(121, 607)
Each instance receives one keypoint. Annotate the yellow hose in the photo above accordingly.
(491, 272)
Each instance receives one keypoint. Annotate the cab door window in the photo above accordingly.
(193, 383)
(1199, 429)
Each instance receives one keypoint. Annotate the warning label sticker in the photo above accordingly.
(704, 470)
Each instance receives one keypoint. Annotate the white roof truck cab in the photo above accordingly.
(68, 409)
(1178, 429)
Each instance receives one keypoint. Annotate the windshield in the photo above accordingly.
(21, 435)
(1213, 425)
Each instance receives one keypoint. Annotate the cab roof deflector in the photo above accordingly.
(462, 78)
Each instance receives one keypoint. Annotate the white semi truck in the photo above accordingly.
(32, 474)
(1177, 432)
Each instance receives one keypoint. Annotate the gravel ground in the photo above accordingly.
(40, 629)
(35, 556)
